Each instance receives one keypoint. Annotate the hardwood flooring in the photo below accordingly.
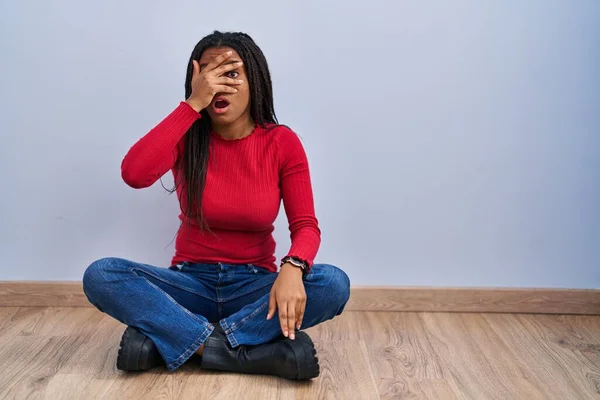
(69, 353)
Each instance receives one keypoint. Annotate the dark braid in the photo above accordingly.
(194, 161)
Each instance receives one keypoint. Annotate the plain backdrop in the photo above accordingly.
(450, 143)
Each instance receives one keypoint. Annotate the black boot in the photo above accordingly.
(137, 352)
(290, 359)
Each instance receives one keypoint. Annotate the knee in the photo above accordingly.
(95, 275)
(338, 286)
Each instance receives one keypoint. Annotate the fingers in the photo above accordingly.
(228, 81)
(225, 89)
(301, 306)
(226, 68)
(218, 60)
(272, 306)
(283, 318)
(196, 68)
(291, 320)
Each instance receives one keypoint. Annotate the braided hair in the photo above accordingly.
(194, 162)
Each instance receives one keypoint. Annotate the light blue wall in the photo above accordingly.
(451, 143)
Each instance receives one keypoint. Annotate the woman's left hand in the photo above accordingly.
(288, 295)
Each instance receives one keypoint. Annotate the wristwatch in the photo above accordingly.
(295, 262)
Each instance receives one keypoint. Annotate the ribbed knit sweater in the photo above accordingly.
(246, 181)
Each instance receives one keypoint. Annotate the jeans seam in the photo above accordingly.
(172, 300)
(191, 349)
(230, 336)
(218, 293)
(237, 325)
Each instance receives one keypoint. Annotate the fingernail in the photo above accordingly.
(229, 52)
(285, 333)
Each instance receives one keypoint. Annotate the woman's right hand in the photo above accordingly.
(210, 81)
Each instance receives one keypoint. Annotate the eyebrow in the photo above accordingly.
(202, 66)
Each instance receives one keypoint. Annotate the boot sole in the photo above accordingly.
(132, 355)
(306, 356)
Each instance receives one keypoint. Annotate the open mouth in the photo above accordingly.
(220, 105)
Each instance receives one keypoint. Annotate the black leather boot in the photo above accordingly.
(290, 359)
(137, 352)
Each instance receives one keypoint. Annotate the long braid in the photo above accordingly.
(194, 161)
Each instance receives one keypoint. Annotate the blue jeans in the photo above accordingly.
(178, 306)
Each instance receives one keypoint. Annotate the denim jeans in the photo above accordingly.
(177, 307)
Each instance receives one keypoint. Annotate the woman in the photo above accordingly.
(222, 297)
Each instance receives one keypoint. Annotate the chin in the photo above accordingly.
(221, 119)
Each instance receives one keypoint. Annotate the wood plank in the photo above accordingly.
(30, 362)
(37, 343)
(420, 299)
(202, 384)
(342, 327)
(345, 372)
(93, 367)
(532, 358)
(79, 386)
(477, 374)
(25, 321)
(564, 346)
(404, 363)
(98, 355)
(6, 315)
(579, 333)
(490, 347)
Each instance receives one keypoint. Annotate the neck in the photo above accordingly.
(238, 129)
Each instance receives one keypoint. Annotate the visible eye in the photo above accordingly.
(232, 74)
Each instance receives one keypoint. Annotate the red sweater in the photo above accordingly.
(245, 183)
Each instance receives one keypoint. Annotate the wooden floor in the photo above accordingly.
(69, 353)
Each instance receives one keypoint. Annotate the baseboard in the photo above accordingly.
(488, 300)
(42, 294)
(370, 298)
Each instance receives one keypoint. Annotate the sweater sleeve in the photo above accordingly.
(297, 194)
(155, 154)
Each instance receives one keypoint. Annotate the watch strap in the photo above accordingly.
(295, 262)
